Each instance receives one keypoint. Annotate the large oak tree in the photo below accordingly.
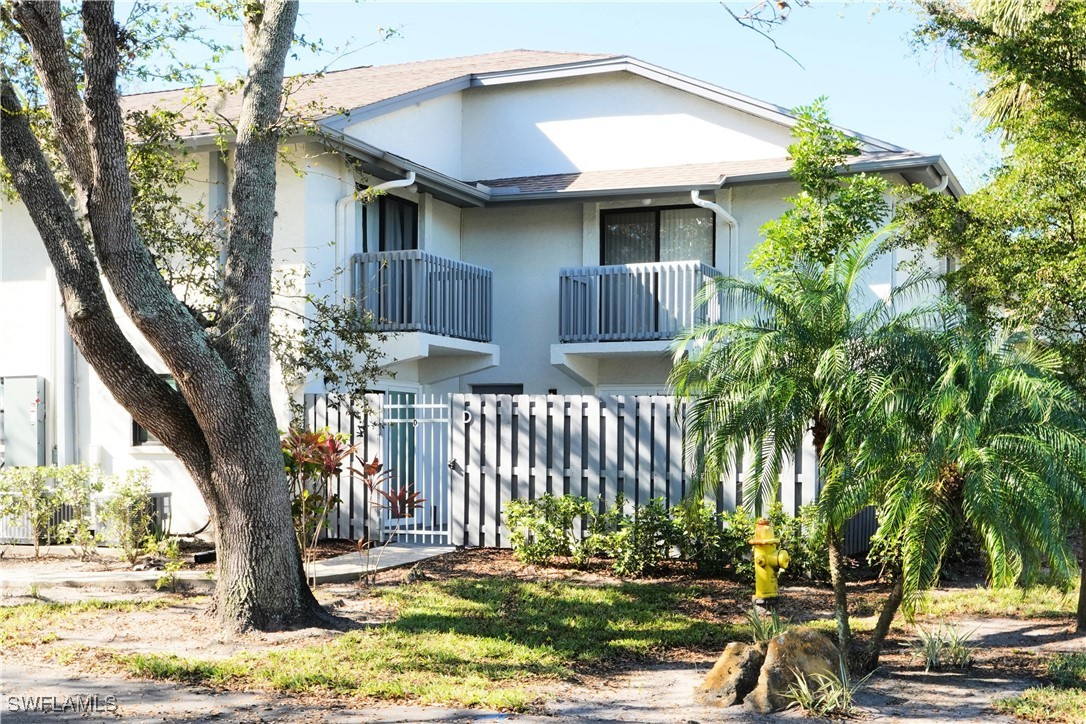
(219, 422)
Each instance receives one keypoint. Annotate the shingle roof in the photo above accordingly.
(684, 176)
(357, 87)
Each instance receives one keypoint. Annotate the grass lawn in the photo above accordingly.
(492, 642)
(1035, 602)
(1064, 700)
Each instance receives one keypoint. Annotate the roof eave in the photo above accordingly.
(497, 197)
(936, 164)
(380, 163)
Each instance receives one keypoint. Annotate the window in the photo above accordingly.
(499, 389)
(140, 435)
(632, 236)
(389, 224)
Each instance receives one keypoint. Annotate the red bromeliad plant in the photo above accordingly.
(312, 458)
(400, 502)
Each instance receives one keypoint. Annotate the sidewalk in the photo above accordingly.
(344, 568)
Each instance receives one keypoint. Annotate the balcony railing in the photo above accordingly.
(413, 291)
(633, 302)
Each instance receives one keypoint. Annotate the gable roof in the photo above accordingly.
(339, 98)
(330, 93)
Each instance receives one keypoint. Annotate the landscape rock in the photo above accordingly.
(799, 652)
(733, 676)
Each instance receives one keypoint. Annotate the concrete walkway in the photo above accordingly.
(348, 567)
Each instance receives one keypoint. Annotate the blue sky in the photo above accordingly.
(859, 54)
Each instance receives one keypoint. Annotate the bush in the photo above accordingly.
(804, 537)
(943, 647)
(699, 533)
(126, 514)
(642, 541)
(75, 487)
(543, 528)
(25, 494)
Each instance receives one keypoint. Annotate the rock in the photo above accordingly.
(733, 676)
(799, 652)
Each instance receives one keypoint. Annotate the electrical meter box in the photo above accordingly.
(22, 420)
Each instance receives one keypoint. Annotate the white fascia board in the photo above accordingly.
(510, 198)
(899, 165)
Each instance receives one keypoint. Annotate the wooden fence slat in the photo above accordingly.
(659, 448)
(491, 483)
(506, 424)
(644, 450)
(458, 490)
(609, 453)
(675, 469)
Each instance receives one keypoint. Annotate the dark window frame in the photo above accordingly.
(655, 211)
(498, 388)
(141, 436)
(382, 209)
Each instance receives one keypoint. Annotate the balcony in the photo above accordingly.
(633, 302)
(413, 291)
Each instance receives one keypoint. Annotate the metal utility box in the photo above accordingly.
(22, 420)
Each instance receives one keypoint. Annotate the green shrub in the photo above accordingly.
(738, 530)
(699, 533)
(543, 528)
(832, 697)
(1068, 671)
(642, 541)
(25, 494)
(76, 485)
(126, 514)
(804, 537)
(943, 647)
(764, 627)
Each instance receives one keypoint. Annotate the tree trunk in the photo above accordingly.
(840, 593)
(1080, 625)
(219, 422)
(261, 581)
(890, 608)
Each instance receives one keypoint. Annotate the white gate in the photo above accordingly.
(415, 445)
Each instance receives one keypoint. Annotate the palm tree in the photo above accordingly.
(998, 444)
(811, 351)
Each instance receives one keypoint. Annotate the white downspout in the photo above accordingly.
(395, 183)
(341, 227)
(341, 244)
(733, 226)
(944, 180)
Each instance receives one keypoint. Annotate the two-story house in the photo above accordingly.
(546, 222)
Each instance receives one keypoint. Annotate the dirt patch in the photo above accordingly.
(1011, 652)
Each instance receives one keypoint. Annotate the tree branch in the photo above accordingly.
(126, 262)
(247, 285)
(750, 20)
(153, 403)
(40, 24)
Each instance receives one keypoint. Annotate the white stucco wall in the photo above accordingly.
(525, 247)
(428, 133)
(609, 121)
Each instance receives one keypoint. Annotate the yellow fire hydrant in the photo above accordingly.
(767, 561)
